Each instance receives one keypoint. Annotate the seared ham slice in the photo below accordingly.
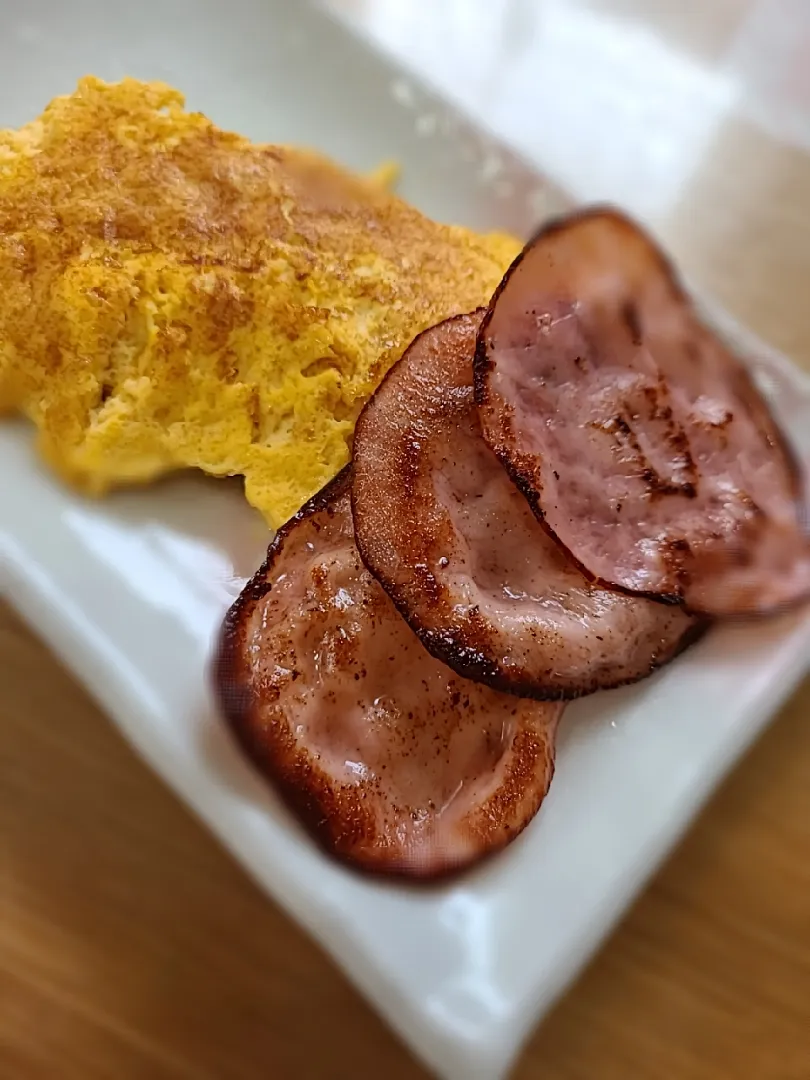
(637, 437)
(456, 547)
(392, 761)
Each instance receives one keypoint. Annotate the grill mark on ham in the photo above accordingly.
(638, 439)
(392, 761)
(443, 528)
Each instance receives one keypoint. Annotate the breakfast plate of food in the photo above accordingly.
(439, 548)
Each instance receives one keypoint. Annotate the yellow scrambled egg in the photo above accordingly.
(172, 295)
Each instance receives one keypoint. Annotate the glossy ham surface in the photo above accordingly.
(637, 437)
(394, 762)
(456, 546)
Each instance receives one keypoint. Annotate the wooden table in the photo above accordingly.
(132, 947)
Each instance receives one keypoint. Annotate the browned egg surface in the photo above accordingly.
(176, 296)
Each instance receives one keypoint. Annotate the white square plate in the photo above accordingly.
(129, 591)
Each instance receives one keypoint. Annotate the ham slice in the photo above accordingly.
(393, 762)
(455, 545)
(637, 437)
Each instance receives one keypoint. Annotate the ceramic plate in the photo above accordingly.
(129, 591)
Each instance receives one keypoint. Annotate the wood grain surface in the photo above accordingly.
(131, 946)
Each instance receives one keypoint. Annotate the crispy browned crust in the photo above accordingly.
(338, 819)
(526, 477)
(473, 664)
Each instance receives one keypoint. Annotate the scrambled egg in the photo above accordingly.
(172, 295)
